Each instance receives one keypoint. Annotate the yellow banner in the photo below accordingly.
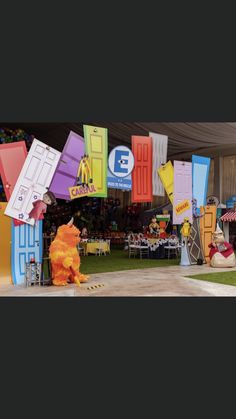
(80, 191)
(166, 173)
(182, 206)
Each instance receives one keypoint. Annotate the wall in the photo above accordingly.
(229, 177)
(211, 179)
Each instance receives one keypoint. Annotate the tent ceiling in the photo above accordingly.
(184, 138)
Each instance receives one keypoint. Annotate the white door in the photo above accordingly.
(33, 181)
(159, 156)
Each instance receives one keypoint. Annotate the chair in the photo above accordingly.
(142, 249)
(108, 241)
(100, 249)
(172, 247)
(81, 250)
(132, 247)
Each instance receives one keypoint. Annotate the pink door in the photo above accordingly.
(182, 191)
(12, 158)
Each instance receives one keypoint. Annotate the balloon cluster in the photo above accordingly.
(8, 135)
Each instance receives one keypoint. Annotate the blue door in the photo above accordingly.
(27, 242)
(200, 169)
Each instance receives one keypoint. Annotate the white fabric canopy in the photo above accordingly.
(184, 138)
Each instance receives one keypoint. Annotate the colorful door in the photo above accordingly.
(182, 191)
(33, 181)
(96, 144)
(200, 168)
(27, 242)
(5, 246)
(166, 173)
(66, 172)
(142, 172)
(207, 228)
(159, 156)
(12, 158)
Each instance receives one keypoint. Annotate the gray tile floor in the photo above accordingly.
(164, 281)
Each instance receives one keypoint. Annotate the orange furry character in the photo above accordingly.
(64, 256)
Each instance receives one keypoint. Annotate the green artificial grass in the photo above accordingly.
(119, 260)
(227, 278)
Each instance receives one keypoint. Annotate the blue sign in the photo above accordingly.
(114, 182)
(121, 161)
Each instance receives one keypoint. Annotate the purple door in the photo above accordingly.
(182, 190)
(66, 172)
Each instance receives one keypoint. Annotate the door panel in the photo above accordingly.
(166, 173)
(67, 169)
(96, 144)
(207, 228)
(33, 181)
(12, 158)
(201, 168)
(182, 190)
(142, 172)
(27, 242)
(159, 156)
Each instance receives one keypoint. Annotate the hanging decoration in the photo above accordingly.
(142, 173)
(159, 156)
(7, 137)
(66, 173)
(96, 145)
(182, 202)
(12, 158)
(166, 173)
(200, 175)
(33, 181)
(85, 185)
(120, 166)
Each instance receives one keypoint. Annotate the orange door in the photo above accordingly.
(5, 246)
(207, 228)
(142, 172)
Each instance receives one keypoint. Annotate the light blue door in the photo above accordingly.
(200, 168)
(27, 242)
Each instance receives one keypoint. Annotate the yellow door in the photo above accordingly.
(5, 246)
(207, 228)
(166, 173)
(97, 147)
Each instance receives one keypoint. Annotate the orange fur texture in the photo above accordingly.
(65, 258)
